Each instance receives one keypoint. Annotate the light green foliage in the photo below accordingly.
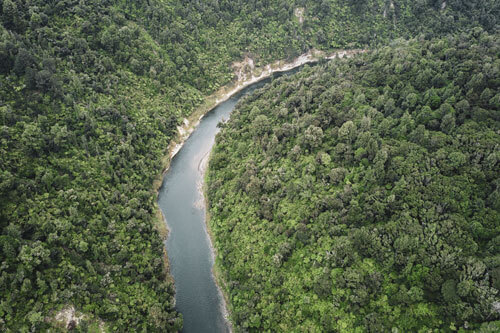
(376, 208)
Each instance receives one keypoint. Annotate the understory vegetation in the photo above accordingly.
(363, 195)
(91, 92)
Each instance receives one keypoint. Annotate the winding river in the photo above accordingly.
(188, 246)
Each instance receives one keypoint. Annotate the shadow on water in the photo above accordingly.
(191, 258)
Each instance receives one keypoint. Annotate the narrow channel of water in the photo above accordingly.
(188, 246)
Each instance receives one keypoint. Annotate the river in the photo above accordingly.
(191, 258)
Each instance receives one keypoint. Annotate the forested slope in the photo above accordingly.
(364, 194)
(90, 96)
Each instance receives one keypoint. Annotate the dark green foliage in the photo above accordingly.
(90, 96)
(363, 194)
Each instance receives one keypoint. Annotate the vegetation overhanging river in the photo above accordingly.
(190, 253)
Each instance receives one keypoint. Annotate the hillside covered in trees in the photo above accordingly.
(364, 194)
(90, 95)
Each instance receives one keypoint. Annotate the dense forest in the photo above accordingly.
(363, 195)
(91, 93)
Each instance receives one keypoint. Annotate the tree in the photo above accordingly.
(10, 13)
(23, 60)
(348, 132)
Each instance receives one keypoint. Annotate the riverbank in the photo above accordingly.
(219, 281)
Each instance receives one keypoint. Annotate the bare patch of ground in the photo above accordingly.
(299, 14)
(68, 318)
